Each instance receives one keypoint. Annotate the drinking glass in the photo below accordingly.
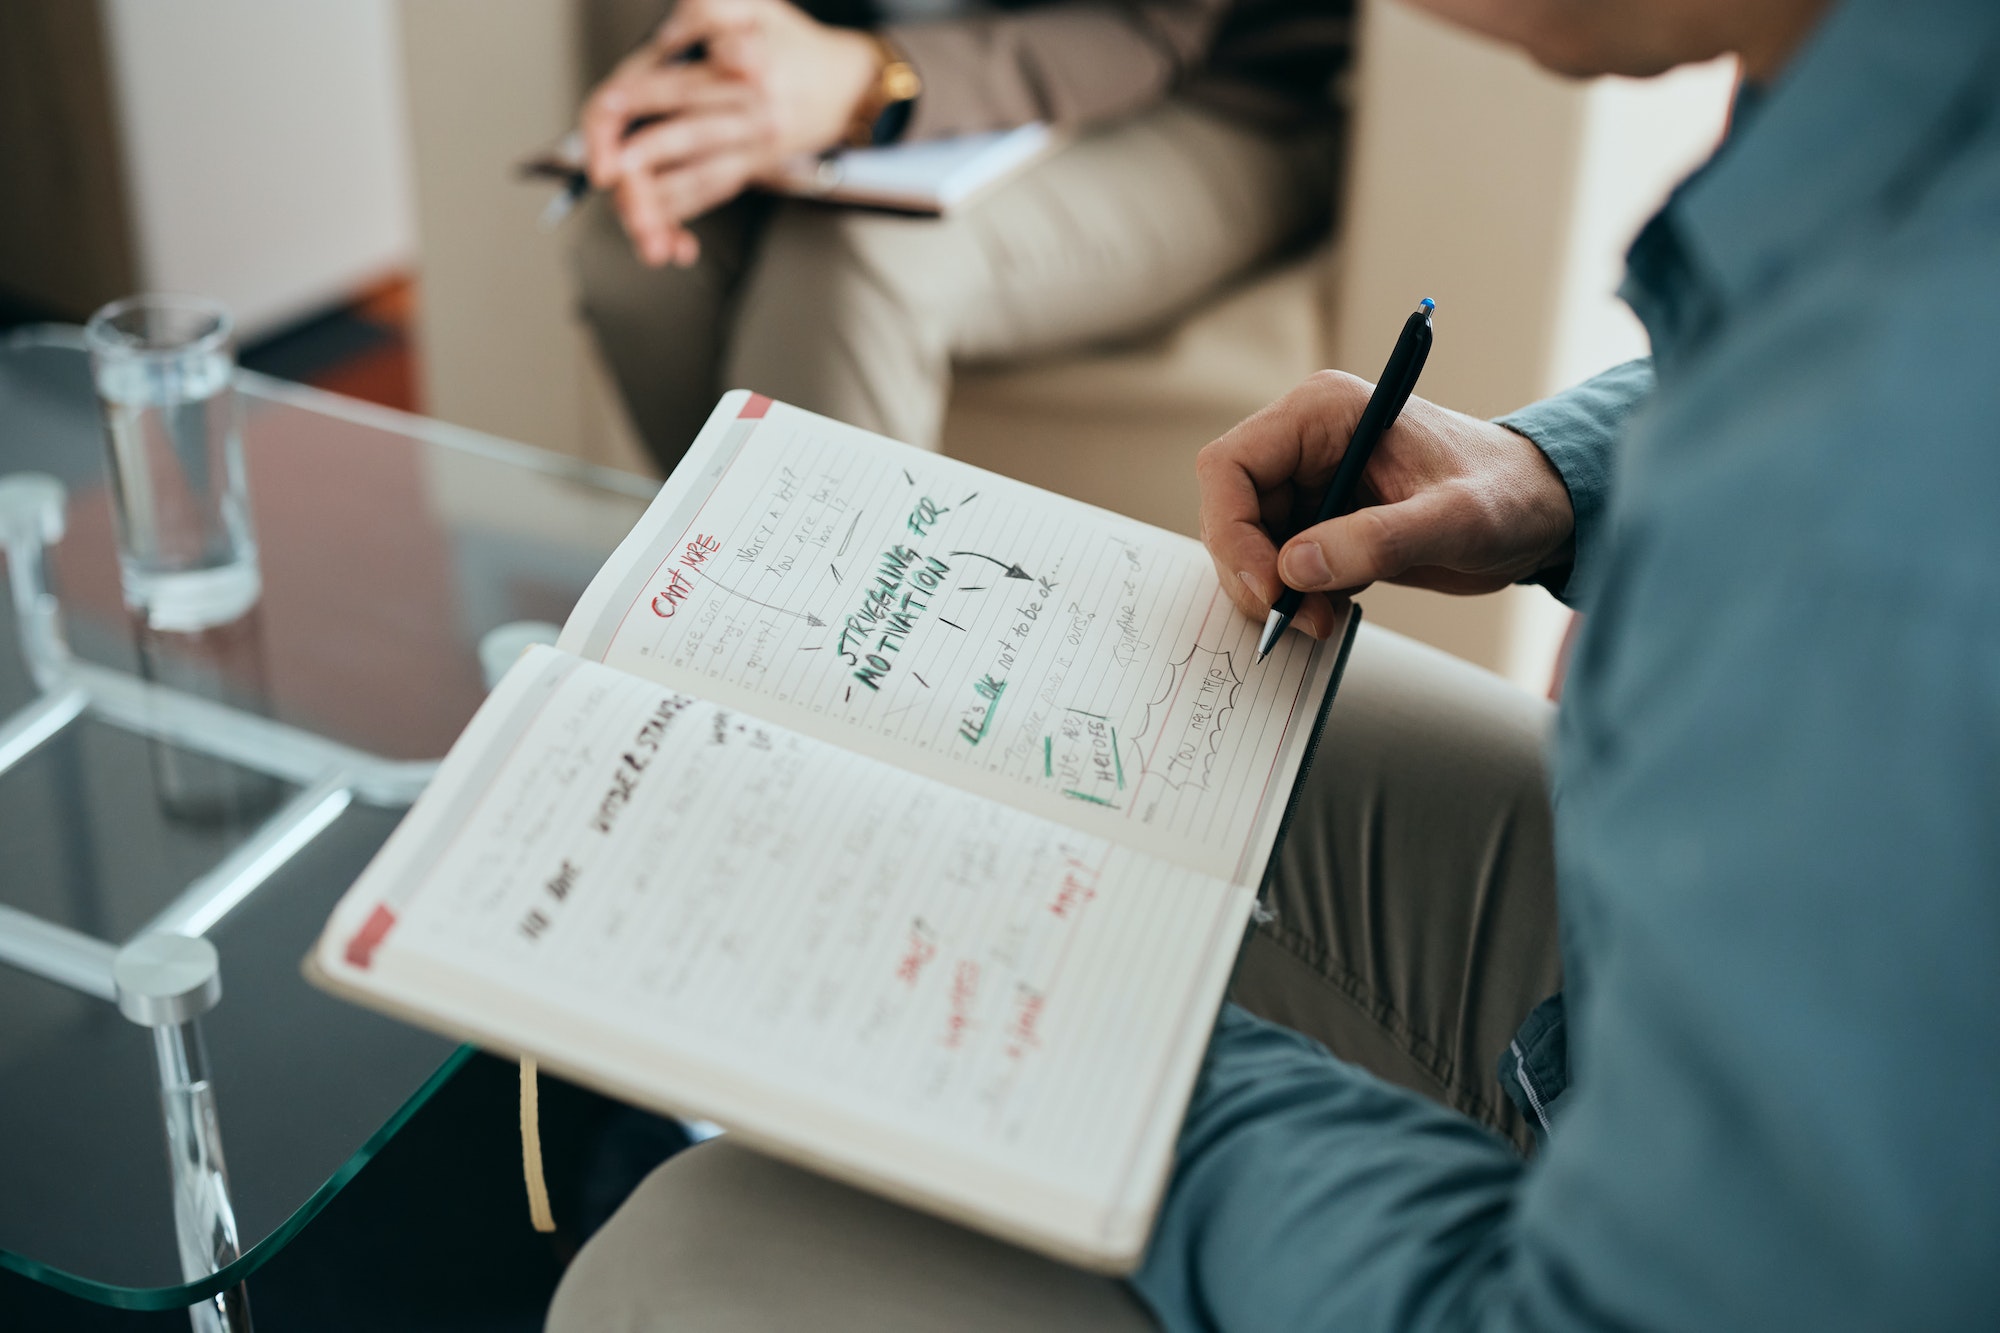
(164, 368)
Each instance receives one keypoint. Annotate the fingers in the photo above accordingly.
(655, 192)
(1376, 544)
(654, 207)
(743, 53)
(704, 21)
(1232, 527)
(1261, 476)
(603, 124)
(1246, 564)
(1449, 502)
(692, 190)
(607, 111)
(670, 245)
(655, 239)
(1301, 437)
(1319, 613)
(735, 122)
(1251, 477)
(641, 91)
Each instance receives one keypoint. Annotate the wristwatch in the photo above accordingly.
(885, 110)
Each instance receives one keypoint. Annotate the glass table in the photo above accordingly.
(230, 785)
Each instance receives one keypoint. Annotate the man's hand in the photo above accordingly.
(1451, 502)
(772, 84)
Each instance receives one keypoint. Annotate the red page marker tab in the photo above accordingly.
(361, 949)
(756, 407)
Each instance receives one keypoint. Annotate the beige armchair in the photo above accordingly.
(1505, 194)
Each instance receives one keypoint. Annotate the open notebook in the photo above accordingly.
(901, 818)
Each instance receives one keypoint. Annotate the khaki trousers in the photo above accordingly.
(861, 315)
(1415, 929)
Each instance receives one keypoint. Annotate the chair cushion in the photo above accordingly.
(1119, 426)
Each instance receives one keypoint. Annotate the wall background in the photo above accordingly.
(266, 149)
(502, 350)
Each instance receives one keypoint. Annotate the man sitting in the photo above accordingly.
(1766, 1098)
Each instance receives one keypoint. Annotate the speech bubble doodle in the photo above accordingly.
(1184, 725)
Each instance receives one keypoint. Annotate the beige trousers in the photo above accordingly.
(1415, 929)
(862, 315)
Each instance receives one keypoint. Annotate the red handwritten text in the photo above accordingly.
(1077, 890)
(1024, 1033)
(964, 990)
(698, 551)
(919, 951)
(672, 595)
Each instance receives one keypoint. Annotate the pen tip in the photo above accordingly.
(1274, 625)
(1427, 305)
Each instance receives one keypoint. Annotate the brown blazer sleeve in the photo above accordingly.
(1068, 64)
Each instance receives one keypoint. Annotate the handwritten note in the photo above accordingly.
(1016, 644)
(646, 865)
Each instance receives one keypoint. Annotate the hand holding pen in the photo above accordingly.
(1447, 501)
(1398, 382)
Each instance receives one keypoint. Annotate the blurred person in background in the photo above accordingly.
(1205, 141)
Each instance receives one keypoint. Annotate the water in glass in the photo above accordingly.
(164, 372)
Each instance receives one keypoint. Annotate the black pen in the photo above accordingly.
(1398, 382)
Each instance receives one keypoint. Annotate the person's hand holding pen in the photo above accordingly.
(1448, 502)
(671, 138)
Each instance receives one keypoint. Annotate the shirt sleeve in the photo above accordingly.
(1066, 64)
(1577, 430)
(1778, 852)
(1311, 1195)
(1780, 1115)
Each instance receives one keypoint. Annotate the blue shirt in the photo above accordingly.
(1777, 793)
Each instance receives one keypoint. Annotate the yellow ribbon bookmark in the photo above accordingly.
(531, 1152)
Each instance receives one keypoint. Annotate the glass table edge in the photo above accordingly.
(247, 1263)
(430, 430)
(462, 439)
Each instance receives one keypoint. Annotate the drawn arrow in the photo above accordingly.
(1013, 571)
(806, 616)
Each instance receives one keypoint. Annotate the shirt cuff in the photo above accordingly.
(1578, 430)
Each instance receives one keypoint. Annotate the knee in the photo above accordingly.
(1435, 760)
(843, 264)
(847, 244)
(850, 314)
(724, 1237)
(652, 1247)
(1438, 715)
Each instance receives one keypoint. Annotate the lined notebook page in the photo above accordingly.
(1019, 644)
(992, 1013)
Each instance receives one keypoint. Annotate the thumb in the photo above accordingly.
(742, 51)
(716, 27)
(1369, 545)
